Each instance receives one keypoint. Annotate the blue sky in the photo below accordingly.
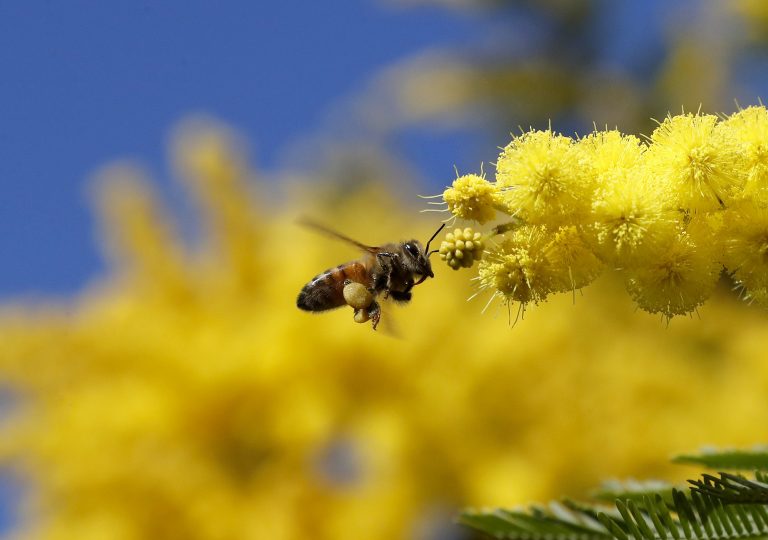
(83, 83)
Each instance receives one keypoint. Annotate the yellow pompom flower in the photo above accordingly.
(573, 262)
(699, 164)
(544, 179)
(677, 273)
(473, 198)
(603, 152)
(745, 229)
(461, 248)
(749, 127)
(517, 270)
(627, 211)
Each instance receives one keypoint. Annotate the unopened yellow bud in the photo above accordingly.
(461, 248)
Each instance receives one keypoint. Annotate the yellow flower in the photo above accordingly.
(749, 127)
(573, 262)
(628, 211)
(141, 240)
(698, 164)
(517, 270)
(677, 273)
(745, 230)
(605, 151)
(544, 179)
(473, 198)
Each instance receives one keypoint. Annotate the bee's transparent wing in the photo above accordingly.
(322, 229)
(388, 323)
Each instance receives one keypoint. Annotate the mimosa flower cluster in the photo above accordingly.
(670, 213)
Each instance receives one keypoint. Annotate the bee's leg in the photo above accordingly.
(405, 294)
(379, 283)
(385, 259)
(374, 313)
(401, 296)
(387, 254)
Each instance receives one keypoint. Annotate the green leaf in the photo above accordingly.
(742, 460)
(633, 489)
(556, 521)
(700, 516)
(724, 507)
(732, 488)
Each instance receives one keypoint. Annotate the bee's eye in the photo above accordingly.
(410, 248)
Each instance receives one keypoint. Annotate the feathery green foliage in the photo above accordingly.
(611, 490)
(733, 488)
(725, 506)
(741, 460)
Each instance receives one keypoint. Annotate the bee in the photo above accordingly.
(390, 270)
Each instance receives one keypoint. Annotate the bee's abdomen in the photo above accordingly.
(326, 290)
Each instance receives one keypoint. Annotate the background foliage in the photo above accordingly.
(725, 505)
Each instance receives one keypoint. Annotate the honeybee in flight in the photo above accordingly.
(390, 270)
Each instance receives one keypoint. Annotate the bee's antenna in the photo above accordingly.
(430, 241)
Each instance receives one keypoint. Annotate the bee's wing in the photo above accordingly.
(388, 324)
(311, 224)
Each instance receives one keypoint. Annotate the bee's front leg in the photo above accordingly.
(405, 294)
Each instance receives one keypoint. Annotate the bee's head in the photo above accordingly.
(416, 260)
(417, 257)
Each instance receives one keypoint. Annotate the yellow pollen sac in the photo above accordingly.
(357, 296)
(361, 315)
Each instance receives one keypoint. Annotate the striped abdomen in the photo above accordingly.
(326, 290)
